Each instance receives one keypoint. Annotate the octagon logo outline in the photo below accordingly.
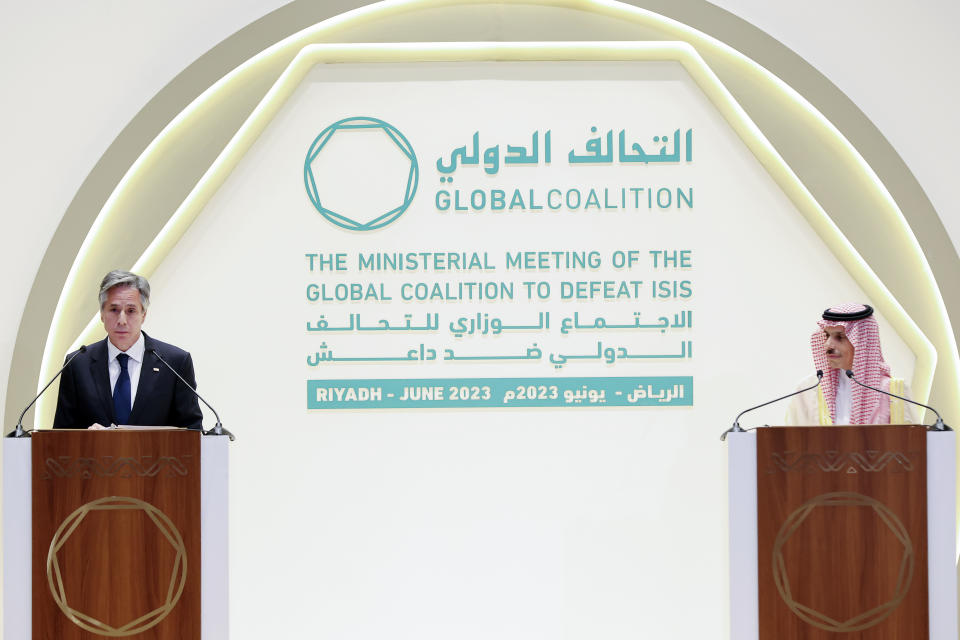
(174, 590)
(867, 618)
(361, 123)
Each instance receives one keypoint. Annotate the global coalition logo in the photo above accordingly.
(361, 173)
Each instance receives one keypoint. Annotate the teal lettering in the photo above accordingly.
(498, 200)
(533, 205)
(443, 200)
(550, 199)
(473, 199)
(592, 199)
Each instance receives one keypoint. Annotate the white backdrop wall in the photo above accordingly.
(68, 94)
(493, 506)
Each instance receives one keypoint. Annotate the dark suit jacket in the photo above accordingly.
(162, 399)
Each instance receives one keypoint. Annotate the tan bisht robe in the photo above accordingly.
(810, 408)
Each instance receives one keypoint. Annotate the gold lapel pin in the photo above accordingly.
(157, 369)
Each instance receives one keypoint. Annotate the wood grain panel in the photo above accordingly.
(842, 526)
(121, 511)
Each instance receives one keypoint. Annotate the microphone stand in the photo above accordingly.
(736, 428)
(19, 431)
(939, 425)
(218, 429)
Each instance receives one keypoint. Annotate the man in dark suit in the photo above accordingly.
(120, 380)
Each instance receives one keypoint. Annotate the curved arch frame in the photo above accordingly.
(932, 316)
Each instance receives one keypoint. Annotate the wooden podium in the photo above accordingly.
(843, 532)
(118, 533)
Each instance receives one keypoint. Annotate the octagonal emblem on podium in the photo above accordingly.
(157, 599)
(887, 524)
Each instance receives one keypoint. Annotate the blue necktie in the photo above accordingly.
(121, 392)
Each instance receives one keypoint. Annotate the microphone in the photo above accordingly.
(736, 423)
(19, 431)
(936, 426)
(218, 429)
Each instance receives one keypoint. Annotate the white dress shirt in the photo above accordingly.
(134, 364)
(844, 399)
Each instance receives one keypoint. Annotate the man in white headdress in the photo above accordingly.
(848, 338)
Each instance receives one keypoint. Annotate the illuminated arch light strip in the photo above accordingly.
(891, 216)
(683, 53)
(100, 230)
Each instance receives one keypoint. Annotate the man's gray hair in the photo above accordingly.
(125, 279)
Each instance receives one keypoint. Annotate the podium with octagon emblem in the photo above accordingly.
(115, 547)
(843, 531)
